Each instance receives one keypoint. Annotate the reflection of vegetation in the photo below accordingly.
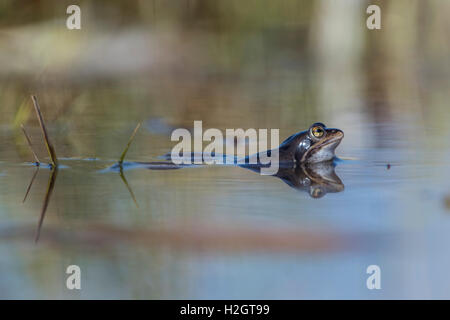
(30, 184)
(122, 176)
(48, 193)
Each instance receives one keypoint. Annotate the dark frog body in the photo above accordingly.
(317, 144)
(306, 161)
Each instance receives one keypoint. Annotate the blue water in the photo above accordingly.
(228, 232)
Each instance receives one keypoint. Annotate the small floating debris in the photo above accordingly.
(388, 166)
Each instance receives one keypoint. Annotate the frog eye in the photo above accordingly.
(317, 131)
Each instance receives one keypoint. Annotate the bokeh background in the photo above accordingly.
(225, 232)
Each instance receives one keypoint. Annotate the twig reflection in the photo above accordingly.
(48, 193)
(30, 184)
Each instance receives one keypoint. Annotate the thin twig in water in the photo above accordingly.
(50, 149)
(124, 153)
(30, 144)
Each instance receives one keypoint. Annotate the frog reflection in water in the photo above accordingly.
(306, 161)
(317, 179)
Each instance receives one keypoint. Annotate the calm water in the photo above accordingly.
(225, 232)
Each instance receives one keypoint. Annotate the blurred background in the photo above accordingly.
(225, 232)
